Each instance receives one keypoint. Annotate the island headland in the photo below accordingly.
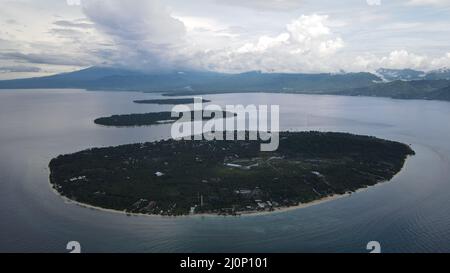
(155, 118)
(170, 101)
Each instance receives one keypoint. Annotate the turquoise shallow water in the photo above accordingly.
(409, 214)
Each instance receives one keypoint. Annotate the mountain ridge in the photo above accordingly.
(97, 78)
(415, 89)
(433, 85)
(411, 74)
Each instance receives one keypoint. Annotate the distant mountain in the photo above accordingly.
(432, 85)
(440, 74)
(400, 74)
(421, 89)
(285, 82)
(100, 78)
(412, 75)
(106, 78)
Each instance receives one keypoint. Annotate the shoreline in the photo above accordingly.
(243, 214)
(203, 215)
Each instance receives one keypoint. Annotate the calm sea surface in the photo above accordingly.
(409, 214)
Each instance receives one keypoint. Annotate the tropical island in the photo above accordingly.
(155, 118)
(181, 177)
(170, 101)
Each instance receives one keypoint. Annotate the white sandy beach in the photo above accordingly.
(242, 214)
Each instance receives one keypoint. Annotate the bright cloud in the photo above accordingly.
(264, 43)
(305, 41)
(400, 59)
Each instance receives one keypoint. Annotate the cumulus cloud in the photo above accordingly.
(145, 21)
(403, 59)
(143, 30)
(308, 27)
(399, 59)
(303, 45)
(147, 36)
(443, 61)
(264, 43)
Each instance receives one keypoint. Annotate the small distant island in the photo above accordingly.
(156, 118)
(179, 177)
(169, 101)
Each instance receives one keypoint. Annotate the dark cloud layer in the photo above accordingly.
(56, 59)
(19, 69)
(72, 24)
(144, 32)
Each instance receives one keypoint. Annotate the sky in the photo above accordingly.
(43, 37)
